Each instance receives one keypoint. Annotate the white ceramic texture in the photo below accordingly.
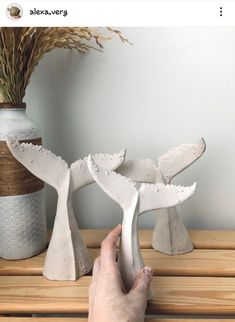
(16, 123)
(22, 226)
(135, 202)
(20, 215)
(170, 235)
(67, 257)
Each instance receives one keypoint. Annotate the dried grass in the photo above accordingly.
(21, 49)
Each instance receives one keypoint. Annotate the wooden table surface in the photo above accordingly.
(200, 283)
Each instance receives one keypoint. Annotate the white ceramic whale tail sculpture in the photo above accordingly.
(170, 235)
(67, 256)
(179, 158)
(133, 203)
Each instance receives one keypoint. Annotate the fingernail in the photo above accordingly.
(147, 270)
(119, 226)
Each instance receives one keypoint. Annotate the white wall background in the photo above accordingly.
(172, 86)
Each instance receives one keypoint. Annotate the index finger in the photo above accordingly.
(108, 248)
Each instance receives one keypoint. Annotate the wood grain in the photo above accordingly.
(68, 319)
(173, 295)
(200, 262)
(31, 266)
(38, 319)
(202, 239)
(198, 283)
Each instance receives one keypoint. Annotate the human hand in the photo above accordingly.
(107, 300)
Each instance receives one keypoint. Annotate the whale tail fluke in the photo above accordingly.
(139, 170)
(170, 235)
(179, 158)
(119, 188)
(80, 174)
(159, 196)
(151, 196)
(39, 161)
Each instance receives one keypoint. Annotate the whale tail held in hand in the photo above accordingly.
(151, 196)
(135, 202)
(67, 256)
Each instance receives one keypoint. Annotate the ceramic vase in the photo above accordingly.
(23, 230)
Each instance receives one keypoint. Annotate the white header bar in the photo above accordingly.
(117, 13)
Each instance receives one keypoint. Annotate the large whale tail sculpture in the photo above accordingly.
(67, 257)
(170, 235)
(135, 202)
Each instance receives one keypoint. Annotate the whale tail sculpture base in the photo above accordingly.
(170, 235)
(67, 257)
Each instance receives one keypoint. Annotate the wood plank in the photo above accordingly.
(42, 319)
(30, 266)
(200, 262)
(193, 295)
(202, 239)
(173, 295)
(185, 320)
(197, 263)
(68, 319)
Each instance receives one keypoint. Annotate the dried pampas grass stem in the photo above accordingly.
(22, 48)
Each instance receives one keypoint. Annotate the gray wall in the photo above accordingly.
(172, 86)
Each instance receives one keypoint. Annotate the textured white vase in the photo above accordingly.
(23, 230)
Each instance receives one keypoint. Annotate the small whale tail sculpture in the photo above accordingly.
(134, 203)
(170, 235)
(67, 256)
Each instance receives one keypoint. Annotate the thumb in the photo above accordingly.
(142, 282)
